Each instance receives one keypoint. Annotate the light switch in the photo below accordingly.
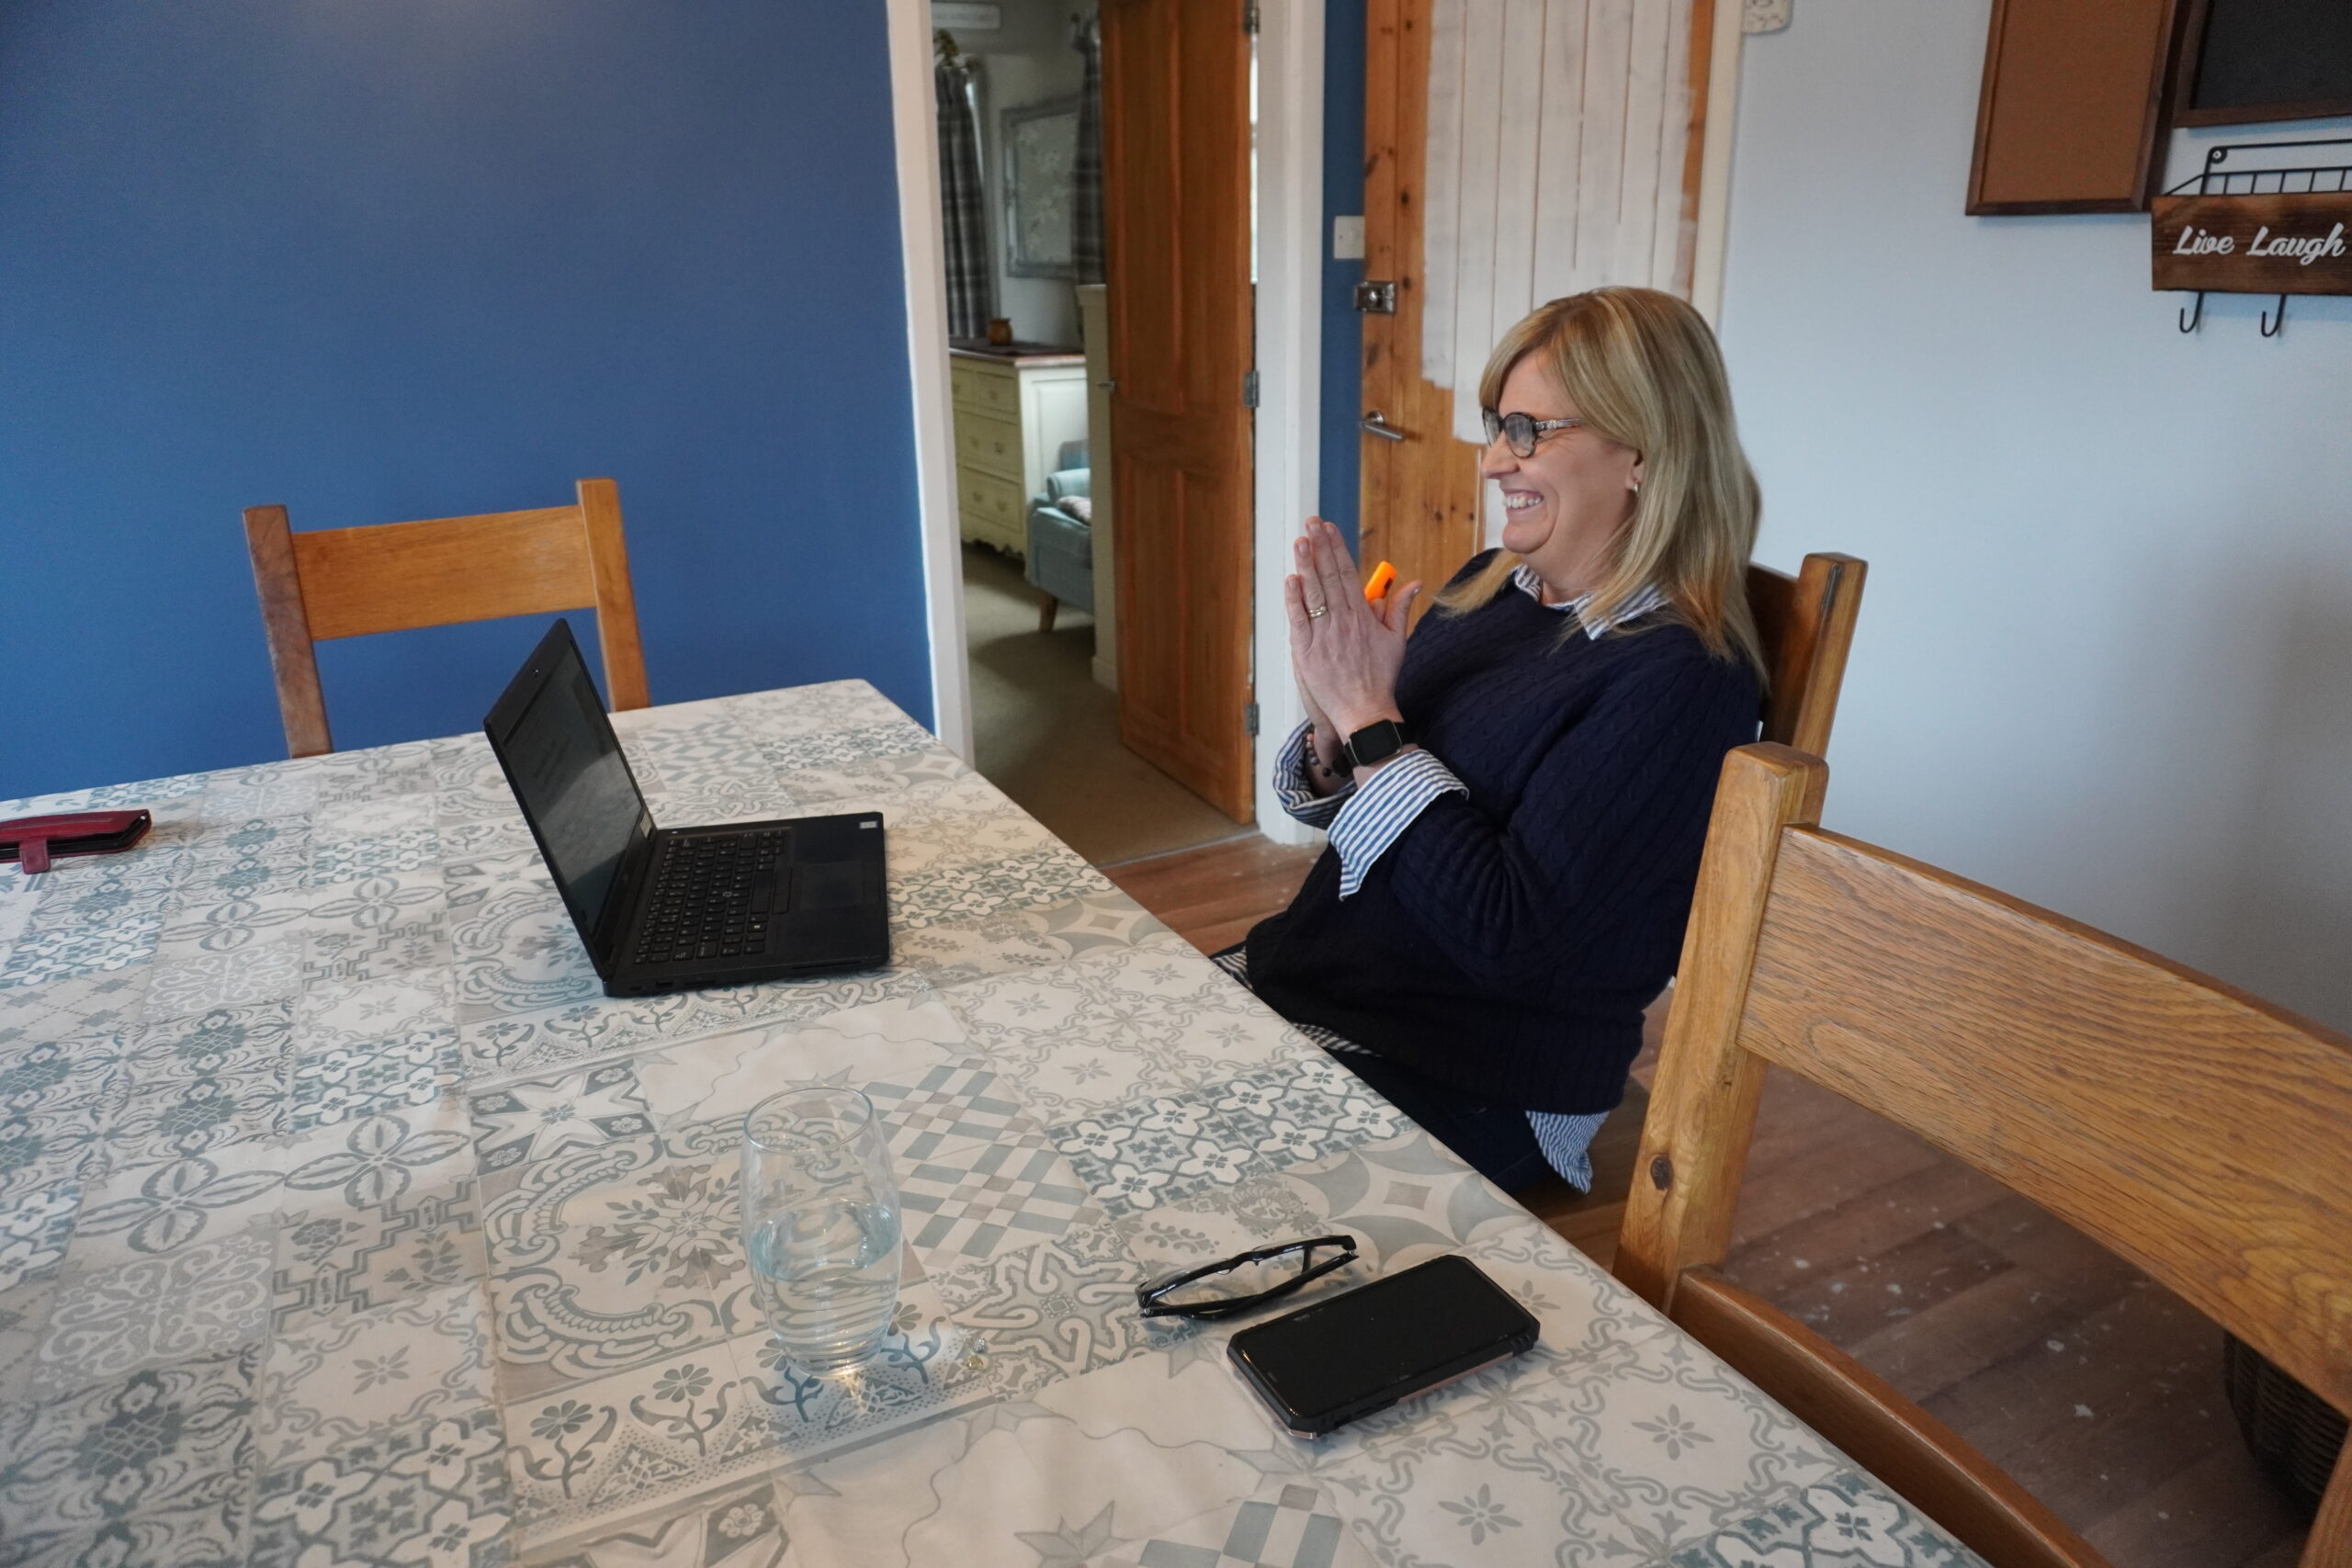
(1347, 238)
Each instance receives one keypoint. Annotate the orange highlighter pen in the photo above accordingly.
(1377, 589)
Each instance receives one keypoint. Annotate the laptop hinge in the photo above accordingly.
(610, 949)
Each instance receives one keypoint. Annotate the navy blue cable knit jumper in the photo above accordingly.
(1507, 943)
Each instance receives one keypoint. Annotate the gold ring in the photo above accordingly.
(1314, 612)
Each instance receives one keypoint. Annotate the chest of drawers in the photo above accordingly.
(1014, 413)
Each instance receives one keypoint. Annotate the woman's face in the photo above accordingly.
(1563, 505)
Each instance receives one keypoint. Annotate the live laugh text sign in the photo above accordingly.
(2254, 244)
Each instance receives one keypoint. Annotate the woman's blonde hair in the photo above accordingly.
(1643, 370)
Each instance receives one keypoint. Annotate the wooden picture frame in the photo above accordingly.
(2183, 93)
(2073, 105)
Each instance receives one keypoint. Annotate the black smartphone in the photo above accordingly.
(1341, 1359)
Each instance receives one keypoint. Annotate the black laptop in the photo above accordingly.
(669, 909)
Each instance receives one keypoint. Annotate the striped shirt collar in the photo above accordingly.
(1643, 600)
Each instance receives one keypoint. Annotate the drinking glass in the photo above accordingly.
(821, 1224)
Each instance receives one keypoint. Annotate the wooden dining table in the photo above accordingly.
(344, 1220)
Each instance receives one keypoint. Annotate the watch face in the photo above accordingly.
(1375, 743)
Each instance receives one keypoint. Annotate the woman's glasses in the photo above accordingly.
(1249, 1279)
(1523, 430)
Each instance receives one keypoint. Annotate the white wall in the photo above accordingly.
(2105, 658)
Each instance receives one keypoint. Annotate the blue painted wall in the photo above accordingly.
(409, 260)
(1344, 45)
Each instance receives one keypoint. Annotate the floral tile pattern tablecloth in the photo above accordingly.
(346, 1224)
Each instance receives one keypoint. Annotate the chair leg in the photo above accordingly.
(1047, 607)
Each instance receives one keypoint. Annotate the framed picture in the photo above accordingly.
(1040, 182)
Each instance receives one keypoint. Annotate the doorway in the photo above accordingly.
(1096, 273)
(1283, 488)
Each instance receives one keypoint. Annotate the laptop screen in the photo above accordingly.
(573, 784)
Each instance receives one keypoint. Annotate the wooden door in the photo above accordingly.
(1420, 506)
(1515, 151)
(1176, 239)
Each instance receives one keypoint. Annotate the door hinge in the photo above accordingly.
(1376, 298)
(1249, 718)
(1250, 389)
(1248, 15)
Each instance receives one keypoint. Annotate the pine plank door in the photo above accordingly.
(1515, 151)
(1176, 240)
(1419, 506)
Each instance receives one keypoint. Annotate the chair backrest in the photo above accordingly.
(1806, 623)
(394, 577)
(2197, 1131)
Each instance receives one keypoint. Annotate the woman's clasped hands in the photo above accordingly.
(1345, 651)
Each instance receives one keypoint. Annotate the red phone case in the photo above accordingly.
(33, 839)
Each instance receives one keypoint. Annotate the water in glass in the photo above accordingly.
(821, 1224)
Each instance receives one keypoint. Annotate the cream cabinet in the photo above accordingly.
(1013, 411)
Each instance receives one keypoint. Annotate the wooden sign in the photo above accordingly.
(2254, 244)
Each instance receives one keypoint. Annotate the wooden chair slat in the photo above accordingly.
(2201, 1133)
(300, 703)
(1806, 624)
(615, 597)
(397, 577)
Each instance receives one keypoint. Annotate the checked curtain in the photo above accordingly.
(963, 199)
(1086, 199)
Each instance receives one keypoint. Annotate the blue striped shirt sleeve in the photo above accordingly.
(1291, 786)
(1376, 812)
(1566, 1143)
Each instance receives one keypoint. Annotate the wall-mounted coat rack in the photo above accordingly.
(2275, 230)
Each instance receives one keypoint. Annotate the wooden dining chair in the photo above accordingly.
(1806, 624)
(392, 577)
(2197, 1131)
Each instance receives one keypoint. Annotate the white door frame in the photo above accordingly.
(914, 125)
(1289, 358)
(1290, 362)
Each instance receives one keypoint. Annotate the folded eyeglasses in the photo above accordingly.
(1247, 1280)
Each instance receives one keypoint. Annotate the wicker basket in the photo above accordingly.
(2293, 1433)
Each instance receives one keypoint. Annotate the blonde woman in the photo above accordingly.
(1516, 794)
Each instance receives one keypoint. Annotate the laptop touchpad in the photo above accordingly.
(829, 885)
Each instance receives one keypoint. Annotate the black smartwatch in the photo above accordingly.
(1373, 744)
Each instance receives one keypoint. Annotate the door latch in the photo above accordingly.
(1376, 298)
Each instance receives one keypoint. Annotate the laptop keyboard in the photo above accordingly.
(710, 896)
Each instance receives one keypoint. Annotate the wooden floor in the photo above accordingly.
(2097, 1389)
(1211, 897)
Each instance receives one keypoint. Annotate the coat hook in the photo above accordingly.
(2188, 323)
(2271, 328)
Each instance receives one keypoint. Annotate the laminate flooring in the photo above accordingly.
(1047, 736)
(2098, 1390)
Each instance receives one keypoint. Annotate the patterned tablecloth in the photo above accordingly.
(343, 1220)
